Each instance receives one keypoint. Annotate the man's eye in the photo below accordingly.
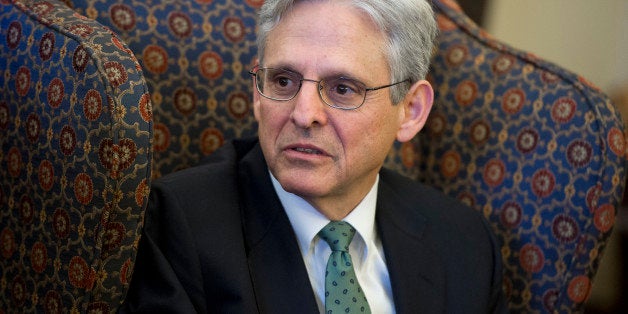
(283, 81)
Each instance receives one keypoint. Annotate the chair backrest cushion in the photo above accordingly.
(75, 132)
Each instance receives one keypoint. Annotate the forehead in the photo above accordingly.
(326, 37)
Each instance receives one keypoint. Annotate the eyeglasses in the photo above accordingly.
(337, 92)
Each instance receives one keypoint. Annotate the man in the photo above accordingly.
(336, 84)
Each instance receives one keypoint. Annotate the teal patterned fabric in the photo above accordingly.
(537, 149)
(75, 131)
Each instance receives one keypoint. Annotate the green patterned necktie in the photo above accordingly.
(342, 290)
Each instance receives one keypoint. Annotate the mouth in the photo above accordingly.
(307, 150)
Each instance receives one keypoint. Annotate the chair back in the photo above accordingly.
(75, 159)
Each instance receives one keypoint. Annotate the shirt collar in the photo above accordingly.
(307, 221)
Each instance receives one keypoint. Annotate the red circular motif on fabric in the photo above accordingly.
(161, 137)
(155, 59)
(53, 303)
(444, 23)
(233, 29)
(549, 299)
(450, 164)
(39, 256)
(56, 92)
(531, 258)
(579, 288)
(78, 272)
(210, 64)
(125, 272)
(46, 175)
(27, 210)
(593, 194)
(22, 81)
(239, 105)
(83, 188)
(14, 35)
(511, 214)
(408, 155)
(7, 242)
(14, 162)
(563, 110)
(549, 77)
(211, 139)
(114, 234)
(117, 157)
(254, 3)
(46, 46)
(67, 140)
(513, 100)
(579, 153)
(466, 92)
(42, 8)
(61, 223)
(479, 132)
(436, 124)
(503, 64)
(180, 24)
(456, 55)
(565, 228)
(98, 307)
(92, 105)
(604, 217)
(543, 182)
(204, 1)
(617, 141)
(18, 291)
(467, 199)
(80, 59)
(145, 108)
(4, 115)
(141, 192)
(122, 16)
(527, 140)
(82, 30)
(494, 172)
(115, 73)
(33, 127)
(185, 100)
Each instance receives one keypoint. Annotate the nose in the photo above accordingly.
(309, 109)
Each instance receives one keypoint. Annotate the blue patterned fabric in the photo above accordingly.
(75, 131)
(537, 149)
(196, 56)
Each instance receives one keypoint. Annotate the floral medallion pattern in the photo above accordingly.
(75, 132)
(540, 151)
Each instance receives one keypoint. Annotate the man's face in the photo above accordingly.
(328, 156)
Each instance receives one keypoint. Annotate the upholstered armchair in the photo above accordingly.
(75, 160)
(537, 149)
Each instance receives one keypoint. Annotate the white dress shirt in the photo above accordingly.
(366, 247)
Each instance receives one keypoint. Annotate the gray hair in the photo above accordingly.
(408, 25)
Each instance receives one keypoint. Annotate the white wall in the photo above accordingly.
(589, 37)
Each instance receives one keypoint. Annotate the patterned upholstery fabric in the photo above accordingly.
(196, 56)
(538, 150)
(75, 131)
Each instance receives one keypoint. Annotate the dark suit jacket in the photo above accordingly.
(217, 240)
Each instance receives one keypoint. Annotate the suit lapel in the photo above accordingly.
(416, 274)
(276, 267)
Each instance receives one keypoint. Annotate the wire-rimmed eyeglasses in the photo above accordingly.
(337, 92)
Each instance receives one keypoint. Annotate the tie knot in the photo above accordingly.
(338, 234)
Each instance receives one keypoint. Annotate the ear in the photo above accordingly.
(416, 107)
